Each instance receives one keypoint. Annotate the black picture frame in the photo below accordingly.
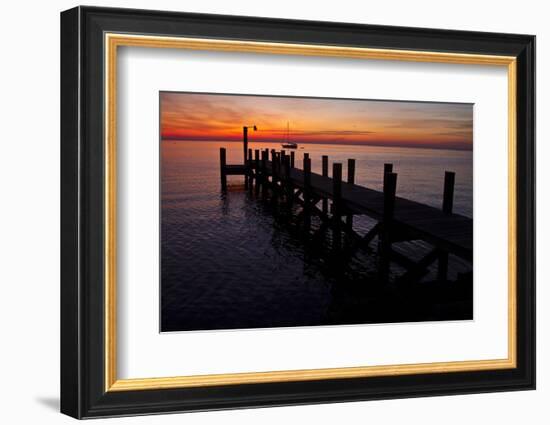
(83, 392)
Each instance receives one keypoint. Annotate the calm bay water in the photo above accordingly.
(225, 261)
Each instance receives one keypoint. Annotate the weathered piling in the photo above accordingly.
(275, 175)
(273, 167)
(248, 171)
(264, 176)
(351, 180)
(324, 173)
(256, 170)
(448, 192)
(388, 168)
(223, 163)
(337, 206)
(282, 156)
(448, 195)
(245, 143)
(307, 193)
(288, 186)
(292, 158)
(390, 184)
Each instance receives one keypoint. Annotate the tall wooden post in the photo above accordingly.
(245, 144)
(388, 168)
(351, 180)
(265, 180)
(448, 195)
(324, 172)
(257, 170)
(289, 191)
(223, 162)
(248, 170)
(292, 159)
(275, 175)
(390, 184)
(273, 166)
(307, 193)
(337, 205)
(448, 192)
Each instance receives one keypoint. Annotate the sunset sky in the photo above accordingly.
(191, 116)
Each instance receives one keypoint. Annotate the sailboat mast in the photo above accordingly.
(287, 132)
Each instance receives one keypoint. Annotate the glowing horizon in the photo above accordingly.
(218, 117)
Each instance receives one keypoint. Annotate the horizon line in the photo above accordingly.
(454, 147)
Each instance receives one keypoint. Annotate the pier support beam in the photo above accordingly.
(248, 171)
(288, 186)
(245, 143)
(264, 177)
(384, 247)
(223, 162)
(337, 206)
(448, 192)
(307, 193)
(325, 174)
(256, 170)
(448, 195)
(351, 180)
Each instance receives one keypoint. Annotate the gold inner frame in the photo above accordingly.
(113, 41)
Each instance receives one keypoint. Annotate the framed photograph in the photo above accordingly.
(261, 212)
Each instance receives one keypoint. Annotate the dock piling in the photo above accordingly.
(337, 205)
(292, 159)
(307, 193)
(448, 195)
(288, 187)
(248, 171)
(256, 170)
(390, 184)
(351, 180)
(264, 176)
(448, 192)
(223, 162)
(324, 173)
(245, 142)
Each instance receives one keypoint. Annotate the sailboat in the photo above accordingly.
(288, 144)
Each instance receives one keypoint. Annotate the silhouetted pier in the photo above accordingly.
(335, 201)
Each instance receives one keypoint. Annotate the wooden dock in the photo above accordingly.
(275, 175)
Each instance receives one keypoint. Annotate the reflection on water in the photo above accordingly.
(226, 262)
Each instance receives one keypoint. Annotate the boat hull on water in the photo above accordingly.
(289, 145)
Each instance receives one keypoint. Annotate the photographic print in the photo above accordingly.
(293, 211)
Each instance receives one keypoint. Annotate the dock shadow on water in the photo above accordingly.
(256, 255)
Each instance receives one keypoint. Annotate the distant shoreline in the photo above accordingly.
(379, 144)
